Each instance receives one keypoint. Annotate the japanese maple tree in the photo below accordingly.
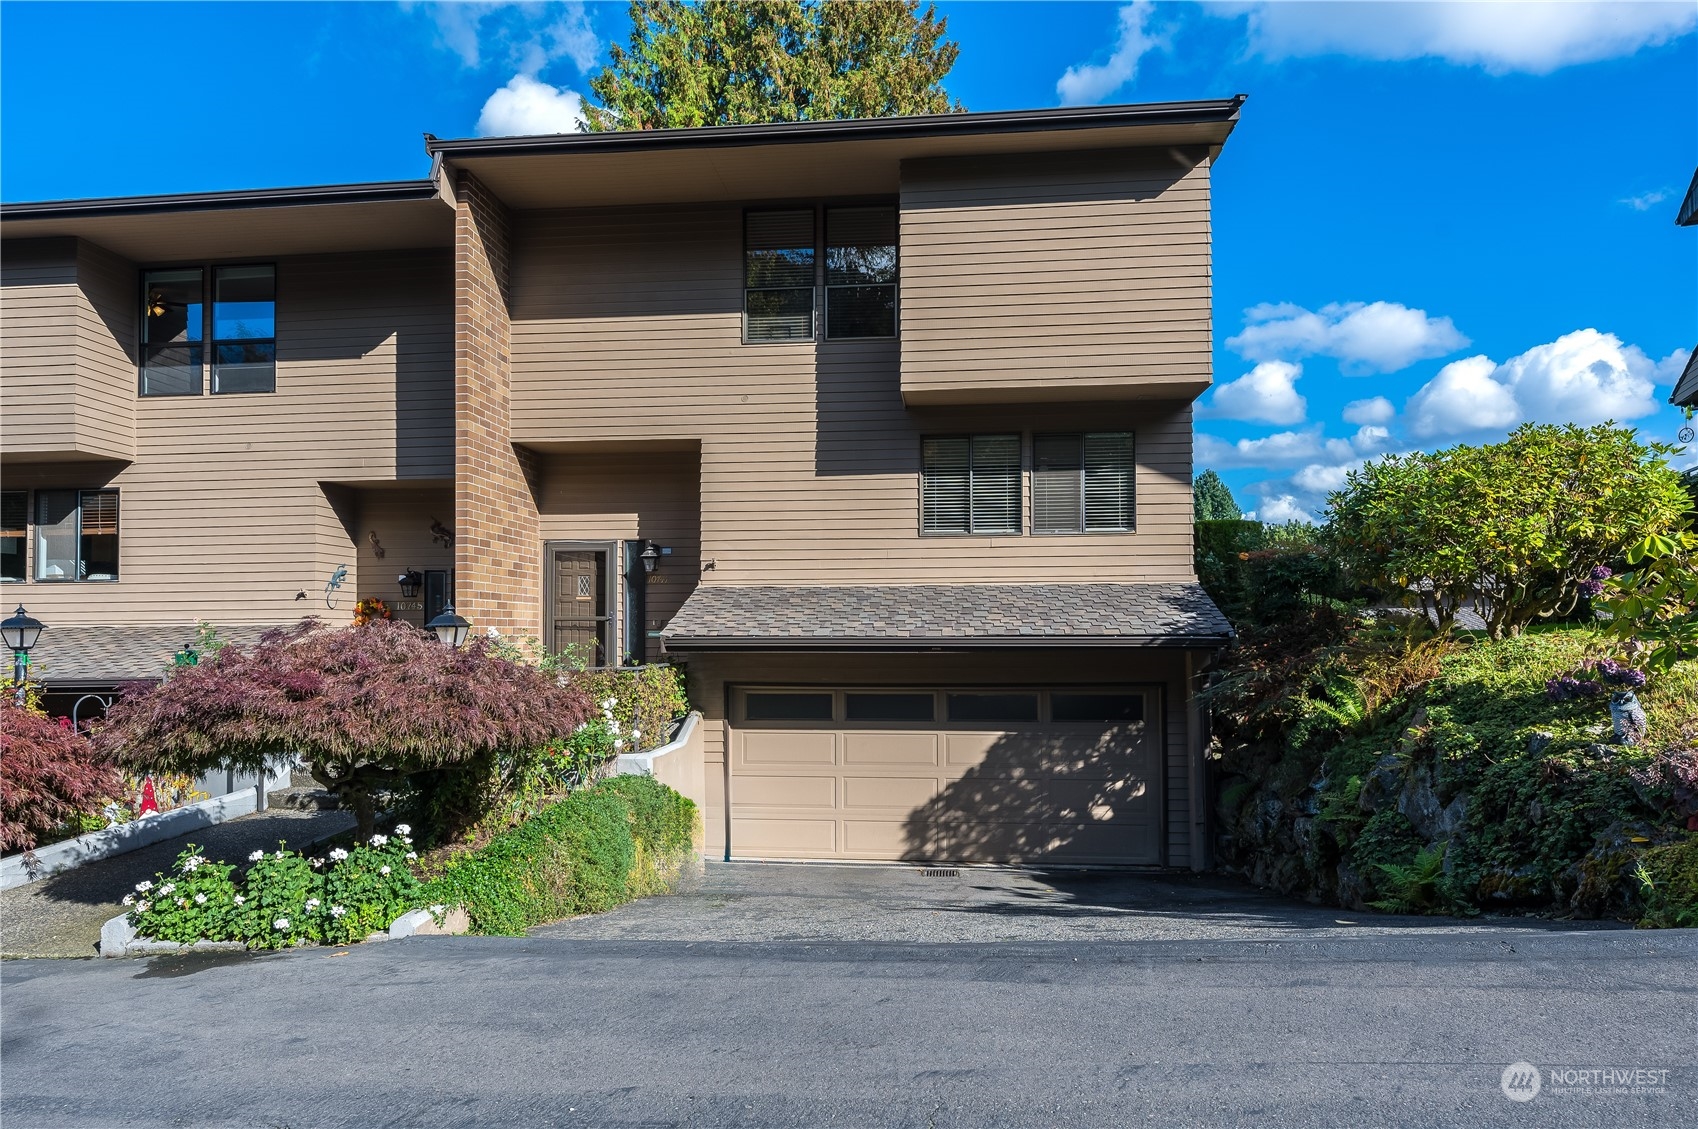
(49, 775)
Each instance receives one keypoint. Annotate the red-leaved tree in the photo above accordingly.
(368, 706)
(49, 775)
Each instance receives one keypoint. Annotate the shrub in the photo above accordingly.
(643, 701)
(368, 706)
(197, 900)
(1668, 881)
(49, 776)
(369, 888)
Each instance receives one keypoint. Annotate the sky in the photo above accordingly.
(1434, 221)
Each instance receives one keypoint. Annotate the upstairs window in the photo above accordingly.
(1082, 483)
(180, 318)
(76, 535)
(860, 272)
(970, 484)
(14, 535)
(778, 275)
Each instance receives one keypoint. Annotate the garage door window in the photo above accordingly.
(1096, 707)
(787, 707)
(891, 707)
(993, 707)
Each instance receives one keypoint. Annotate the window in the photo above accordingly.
(240, 321)
(889, 707)
(14, 535)
(778, 275)
(1082, 483)
(860, 272)
(76, 535)
(787, 707)
(1096, 707)
(970, 484)
(993, 707)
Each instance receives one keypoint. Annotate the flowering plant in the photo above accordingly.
(369, 609)
(369, 887)
(198, 899)
(1593, 679)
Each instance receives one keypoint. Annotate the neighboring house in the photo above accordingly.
(898, 410)
(1686, 388)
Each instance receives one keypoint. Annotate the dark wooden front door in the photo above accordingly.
(582, 618)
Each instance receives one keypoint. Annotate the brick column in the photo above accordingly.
(497, 537)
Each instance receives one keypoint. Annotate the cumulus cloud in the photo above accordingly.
(1376, 409)
(526, 37)
(1281, 508)
(1645, 201)
(1527, 36)
(1265, 394)
(1290, 448)
(1094, 82)
(1364, 337)
(527, 106)
(1582, 377)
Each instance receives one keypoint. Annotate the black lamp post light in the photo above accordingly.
(450, 627)
(20, 631)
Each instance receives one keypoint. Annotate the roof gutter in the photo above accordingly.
(993, 643)
(378, 193)
(1220, 110)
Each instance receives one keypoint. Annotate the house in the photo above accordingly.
(1686, 388)
(881, 429)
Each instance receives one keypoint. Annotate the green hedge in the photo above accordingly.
(646, 699)
(592, 851)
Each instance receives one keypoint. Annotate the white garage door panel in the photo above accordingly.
(1027, 792)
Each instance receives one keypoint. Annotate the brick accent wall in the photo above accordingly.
(497, 539)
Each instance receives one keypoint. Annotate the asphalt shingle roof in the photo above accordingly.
(104, 654)
(774, 617)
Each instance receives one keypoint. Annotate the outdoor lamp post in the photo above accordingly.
(449, 627)
(20, 631)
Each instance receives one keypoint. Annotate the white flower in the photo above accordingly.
(280, 924)
(192, 864)
(312, 904)
(168, 889)
(383, 870)
(337, 911)
(403, 829)
(337, 854)
(609, 703)
(617, 744)
(200, 899)
(256, 856)
(240, 899)
(613, 728)
(493, 633)
(143, 907)
(412, 856)
(143, 887)
(379, 840)
(318, 864)
(182, 903)
(129, 899)
(278, 855)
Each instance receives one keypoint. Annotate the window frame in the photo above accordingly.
(1084, 494)
(206, 384)
(895, 283)
(1020, 522)
(34, 548)
(814, 329)
(24, 534)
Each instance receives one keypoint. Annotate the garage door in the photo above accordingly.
(946, 775)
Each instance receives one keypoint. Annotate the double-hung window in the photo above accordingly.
(1083, 483)
(232, 309)
(970, 484)
(14, 535)
(778, 275)
(76, 535)
(860, 272)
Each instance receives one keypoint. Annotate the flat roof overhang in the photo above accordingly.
(269, 222)
(806, 159)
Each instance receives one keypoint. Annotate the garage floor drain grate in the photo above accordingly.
(939, 872)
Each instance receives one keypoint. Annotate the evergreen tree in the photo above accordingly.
(1212, 500)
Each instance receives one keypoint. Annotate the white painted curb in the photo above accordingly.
(642, 764)
(118, 937)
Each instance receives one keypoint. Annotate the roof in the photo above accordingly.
(104, 655)
(1688, 214)
(719, 617)
(247, 198)
(1686, 388)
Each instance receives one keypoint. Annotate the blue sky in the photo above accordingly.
(1434, 221)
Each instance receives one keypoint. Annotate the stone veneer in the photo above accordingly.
(497, 536)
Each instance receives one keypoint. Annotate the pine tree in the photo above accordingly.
(1212, 500)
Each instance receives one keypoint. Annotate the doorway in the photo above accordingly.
(581, 601)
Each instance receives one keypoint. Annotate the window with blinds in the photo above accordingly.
(76, 535)
(970, 484)
(14, 535)
(1083, 483)
(860, 272)
(778, 275)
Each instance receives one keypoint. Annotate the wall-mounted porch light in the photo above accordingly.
(411, 581)
(650, 556)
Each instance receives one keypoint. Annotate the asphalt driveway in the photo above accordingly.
(751, 901)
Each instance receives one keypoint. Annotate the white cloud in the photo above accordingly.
(1376, 409)
(1290, 448)
(526, 106)
(1526, 36)
(1267, 394)
(1319, 478)
(1282, 508)
(1582, 377)
(526, 37)
(1363, 337)
(1094, 82)
(1645, 201)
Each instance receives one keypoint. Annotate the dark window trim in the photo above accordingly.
(920, 485)
(33, 541)
(209, 292)
(29, 545)
(814, 328)
(1084, 516)
(737, 693)
(819, 206)
(825, 250)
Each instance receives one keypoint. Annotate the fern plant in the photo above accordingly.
(1419, 887)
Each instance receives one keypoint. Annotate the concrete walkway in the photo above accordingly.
(752, 901)
(61, 916)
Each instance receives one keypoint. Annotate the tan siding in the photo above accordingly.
(627, 328)
(400, 517)
(108, 297)
(222, 515)
(1079, 276)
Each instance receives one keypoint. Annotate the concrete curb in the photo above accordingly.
(125, 837)
(642, 764)
(423, 923)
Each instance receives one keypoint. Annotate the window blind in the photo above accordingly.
(970, 484)
(778, 275)
(1083, 483)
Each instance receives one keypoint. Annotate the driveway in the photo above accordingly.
(751, 901)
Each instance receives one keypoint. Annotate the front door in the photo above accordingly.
(582, 619)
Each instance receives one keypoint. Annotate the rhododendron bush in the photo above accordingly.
(49, 775)
(367, 706)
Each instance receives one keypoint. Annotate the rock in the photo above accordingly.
(1539, 742)
(1382, 784)
(1520, 886)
